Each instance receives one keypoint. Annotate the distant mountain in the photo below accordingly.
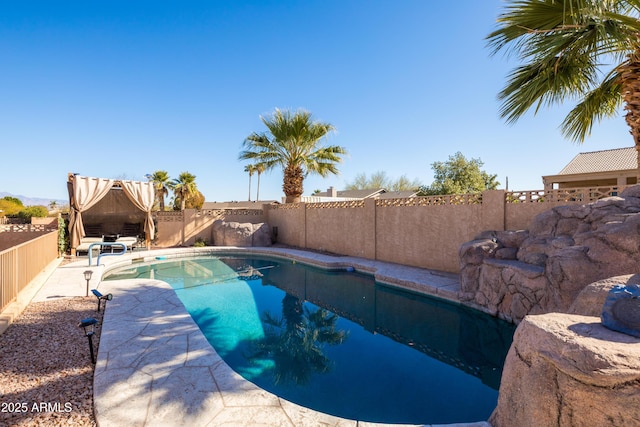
(34, 201)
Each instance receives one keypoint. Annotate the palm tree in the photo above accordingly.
(161, 184)
(587, 49)
(183, 187)
(292, 142)
(259, 169)
(250, 169)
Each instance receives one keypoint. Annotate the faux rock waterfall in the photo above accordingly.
(543, 269)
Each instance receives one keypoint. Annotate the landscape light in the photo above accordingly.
(87, 277)
(107, 297)
(89, 326)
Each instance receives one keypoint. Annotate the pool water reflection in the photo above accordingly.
(340, 343)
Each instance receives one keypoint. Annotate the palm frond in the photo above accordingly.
(604, 101)
(563, 45)
(292, 141)
(545, 83)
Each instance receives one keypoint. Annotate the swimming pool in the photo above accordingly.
(352, 347)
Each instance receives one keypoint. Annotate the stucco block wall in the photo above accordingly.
(518, 216)
(289, 221)
(169, 228)
(425, 236)
(424, 232)
(346, 228)
(183, 228)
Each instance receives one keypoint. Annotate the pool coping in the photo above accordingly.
(155, 367)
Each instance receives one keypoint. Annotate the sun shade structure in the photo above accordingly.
(87, 192)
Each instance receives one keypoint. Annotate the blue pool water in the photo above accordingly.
(340, 343)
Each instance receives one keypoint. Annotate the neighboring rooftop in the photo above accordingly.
(355, 194)
(398, 194)
(375, 193)
(602, 161)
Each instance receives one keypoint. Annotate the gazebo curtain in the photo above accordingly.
(142, 195)
(85, 192)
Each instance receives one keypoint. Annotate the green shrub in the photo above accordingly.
(63, 238)
(200, 242)
(33, 211)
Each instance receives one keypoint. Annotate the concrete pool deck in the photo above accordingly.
(155, 367)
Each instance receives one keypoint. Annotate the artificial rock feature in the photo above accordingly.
(241, 234)
(543, 269)
(569, 370)
(590, 301)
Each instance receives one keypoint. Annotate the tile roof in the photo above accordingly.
(602, 161)
(397, 194)
(359, 194)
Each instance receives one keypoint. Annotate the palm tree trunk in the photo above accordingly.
(630, 81)
(183, 200)
(258, 190)
(292, 186)
(249, 187)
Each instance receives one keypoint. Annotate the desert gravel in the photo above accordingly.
(46, 374)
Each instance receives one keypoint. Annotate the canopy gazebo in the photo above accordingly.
(109, 207)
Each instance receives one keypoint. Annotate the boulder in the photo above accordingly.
(569, 370)
(590, 300)
(241, 234)
(570, 247)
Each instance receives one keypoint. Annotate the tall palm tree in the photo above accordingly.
(250, 169)
(292, 142)
(583, 49)
(259, 169)
(183, 187)
(161, 184)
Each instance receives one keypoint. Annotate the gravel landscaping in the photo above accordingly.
(46, 374)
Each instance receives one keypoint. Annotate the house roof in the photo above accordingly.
(602, 161)
(397, 194)
(356, 194)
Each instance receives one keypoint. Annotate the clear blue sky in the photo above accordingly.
(120, 89)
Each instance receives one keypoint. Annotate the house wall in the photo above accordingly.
(590, 180)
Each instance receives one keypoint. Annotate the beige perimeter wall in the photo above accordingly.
(176, 228)
(421, 231)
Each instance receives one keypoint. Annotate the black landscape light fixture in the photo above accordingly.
(87, 277)
(100, 296)
(89, 326)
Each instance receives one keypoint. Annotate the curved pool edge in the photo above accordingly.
(155, 367)
(441, 284)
